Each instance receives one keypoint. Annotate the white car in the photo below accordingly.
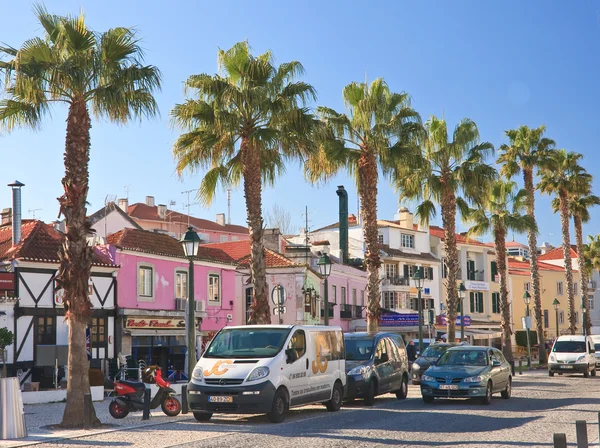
(596, 340)
(571, 354)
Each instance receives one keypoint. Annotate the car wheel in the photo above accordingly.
(506, 392)
(427, 399)
(403, 392)
(203, 416)
(550, 373)
(594, 372)
(370, 393)
(488, 394)
(279, 407)
(586, 374)
(335, 403)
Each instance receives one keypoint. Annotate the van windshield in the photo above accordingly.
(359, 349)
(247, 343)
(569, 347)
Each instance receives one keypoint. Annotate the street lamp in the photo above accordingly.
(324, 264)
(418, 279)
(583, 311)
(527, 299)
(461, 295)
(190, 243)
(556, 305)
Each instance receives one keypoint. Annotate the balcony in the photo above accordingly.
(591, 284)
(397, 280)
(476, 276)
(346, 311)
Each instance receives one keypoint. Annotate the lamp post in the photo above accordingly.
(461, 295)
(556, 305)
(190, 243)
(324, 264)
(418, 279)
(527, 299)
(583, 311)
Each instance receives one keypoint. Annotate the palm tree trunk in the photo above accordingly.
(76, 262)
(533, 263)
(367, 190)
(260, 309)
(449, 223)
(500, 246)
(583, 275)
(566, 242)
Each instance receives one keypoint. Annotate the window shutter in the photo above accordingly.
(471, 270)
(494, 270)
(480, 300)
(406, 271)
(430, 273)
(472, 300)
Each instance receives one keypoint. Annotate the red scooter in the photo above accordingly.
(131, 396)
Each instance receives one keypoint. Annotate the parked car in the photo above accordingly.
(596, 341)
(375, 364)
(573, 353)
(430, 355)
(468, 371)
(266, 369)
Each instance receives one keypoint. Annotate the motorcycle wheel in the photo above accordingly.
(117, 410)
(171, 406)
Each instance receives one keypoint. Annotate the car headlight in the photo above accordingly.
(581, 358)
(198, 374)
(416, 366)
(427, 378)
(360, 370)
(552, 358)
(473, 379)
(258, 373)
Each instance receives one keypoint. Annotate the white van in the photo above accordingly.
(256, 369)
(596, 341)
(572, 353)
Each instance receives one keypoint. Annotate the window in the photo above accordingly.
(343, 295)
(46, 330)
(470, 269)
(380, 238)
(391, 270)
(249, 292)
(381, 349)
(235, 238)
(354, 297)
(407, 240)
(223, 238)
(334, 295)
(575, 287)
(494, 270)
(561, 317)
(427, 273)
(362, 298)
(559, 288)
(476, 299)
(444, 268)
(527, 286)
(214, 290)
(298, 343)
(591, 302)
(145, 281)
(389, 300)
(546, 319)
(98, 332)
(496, 302)
(409, 270)
(181, 291)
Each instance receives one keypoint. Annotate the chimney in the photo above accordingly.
(6, 216)
(272, 240)
(162, 211)
(150, 201)
(124, 204)
(406, 218)
(221, 219)
(16, 206)
(343, 210)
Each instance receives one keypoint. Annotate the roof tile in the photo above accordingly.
(240, 252)
(557, 254)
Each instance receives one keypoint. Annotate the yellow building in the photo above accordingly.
(553, 285)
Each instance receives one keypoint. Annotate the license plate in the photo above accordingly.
(566, 367)
(220, 399)
(449, 386)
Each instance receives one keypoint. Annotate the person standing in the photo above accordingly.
(411, 353)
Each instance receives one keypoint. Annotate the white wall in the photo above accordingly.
(111, 223)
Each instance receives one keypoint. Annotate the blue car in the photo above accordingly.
(468, 372)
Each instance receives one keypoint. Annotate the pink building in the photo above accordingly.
(152, 292)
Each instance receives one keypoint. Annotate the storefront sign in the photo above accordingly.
(441, 320)
(473, 285)
(156, 324)
(7, 281)
(399, 320)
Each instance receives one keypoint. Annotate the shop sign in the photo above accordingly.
(441, 320)
(473, 285)
(7, 281)
(156, 323)
(399, 320)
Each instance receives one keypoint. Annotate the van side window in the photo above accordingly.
(399, 342)
(590, 348)
(298, 343)
(392, 349)
(380, 350)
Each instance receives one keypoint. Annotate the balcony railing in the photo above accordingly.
(477, 276)
(346, 311)
(397, 280)
(592, 284)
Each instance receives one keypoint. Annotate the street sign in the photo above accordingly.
(278, 295)
(526, 322)
(279, 310)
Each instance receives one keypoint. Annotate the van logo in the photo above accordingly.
(219, 368)
(222, 382)
(319, 364)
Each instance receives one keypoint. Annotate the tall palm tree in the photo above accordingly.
(591, 251)
(379, 127)
(500, 213)
(85, 70)
(448, 173)
(244, 125)
(525, 151)
(580, 200)
(560, 175)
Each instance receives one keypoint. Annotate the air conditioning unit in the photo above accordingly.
(180, 304)
(201, 307)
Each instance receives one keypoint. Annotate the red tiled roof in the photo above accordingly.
(515, 244)
(161, 244)
(240, 252)
(145, 212)
(439, 232)
(336, 225)
(39, 242)
(557, 254)
(514, 264)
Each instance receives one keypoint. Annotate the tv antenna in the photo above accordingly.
(127, 191)
(229, 206)
(33, 210)
(188, 203)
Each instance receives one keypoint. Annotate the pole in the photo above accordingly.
(528, 340)
(420, 322)
(191, 322)
(462, 317)
(557, 332)
(326, 304)
(583, 322)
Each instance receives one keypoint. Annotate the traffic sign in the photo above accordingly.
(278, 295)
(279, 310)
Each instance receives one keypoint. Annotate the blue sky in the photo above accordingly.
(501, 64)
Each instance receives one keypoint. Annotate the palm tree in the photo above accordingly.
(84, 70)
(591, 251)
(379, 127)
(244, 125)
(448, 173)
(561, 173)
(500, 213)
(580, 200)
(526, 149)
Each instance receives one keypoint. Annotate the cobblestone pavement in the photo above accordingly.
(539, 407)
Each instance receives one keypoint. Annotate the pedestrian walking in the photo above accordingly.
(411, 352)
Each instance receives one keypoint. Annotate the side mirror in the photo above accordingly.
(434, 362)
(496, 363)
(291, 356)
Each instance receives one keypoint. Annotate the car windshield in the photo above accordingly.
(463, 358)
(358, 349)
(247, 343)
(434, 352)
(569, 347)
(597, 348)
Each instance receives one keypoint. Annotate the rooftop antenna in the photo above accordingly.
(127, 191)
(188, 203)
(33, 210)
(229, 206)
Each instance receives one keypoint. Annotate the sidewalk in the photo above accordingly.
(39, 416)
